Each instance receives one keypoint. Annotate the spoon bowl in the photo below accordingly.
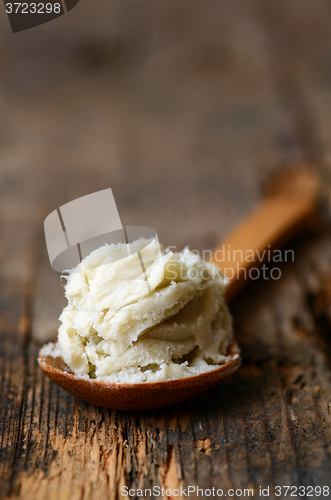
(141, 396)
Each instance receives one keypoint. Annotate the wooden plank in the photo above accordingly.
(16, 252)
(198, 119)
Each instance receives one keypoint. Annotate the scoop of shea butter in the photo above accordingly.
(150, 316)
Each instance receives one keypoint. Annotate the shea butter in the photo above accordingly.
(143, 314)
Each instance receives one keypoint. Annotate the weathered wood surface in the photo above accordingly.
(183, 109)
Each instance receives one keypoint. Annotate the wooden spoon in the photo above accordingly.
(286, 209)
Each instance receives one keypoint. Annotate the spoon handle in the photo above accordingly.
(275, 221)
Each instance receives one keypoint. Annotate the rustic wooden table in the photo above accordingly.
(183, 109)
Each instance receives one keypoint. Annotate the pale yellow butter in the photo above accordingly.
(128, 323)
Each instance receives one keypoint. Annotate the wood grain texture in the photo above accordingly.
(183, 109)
